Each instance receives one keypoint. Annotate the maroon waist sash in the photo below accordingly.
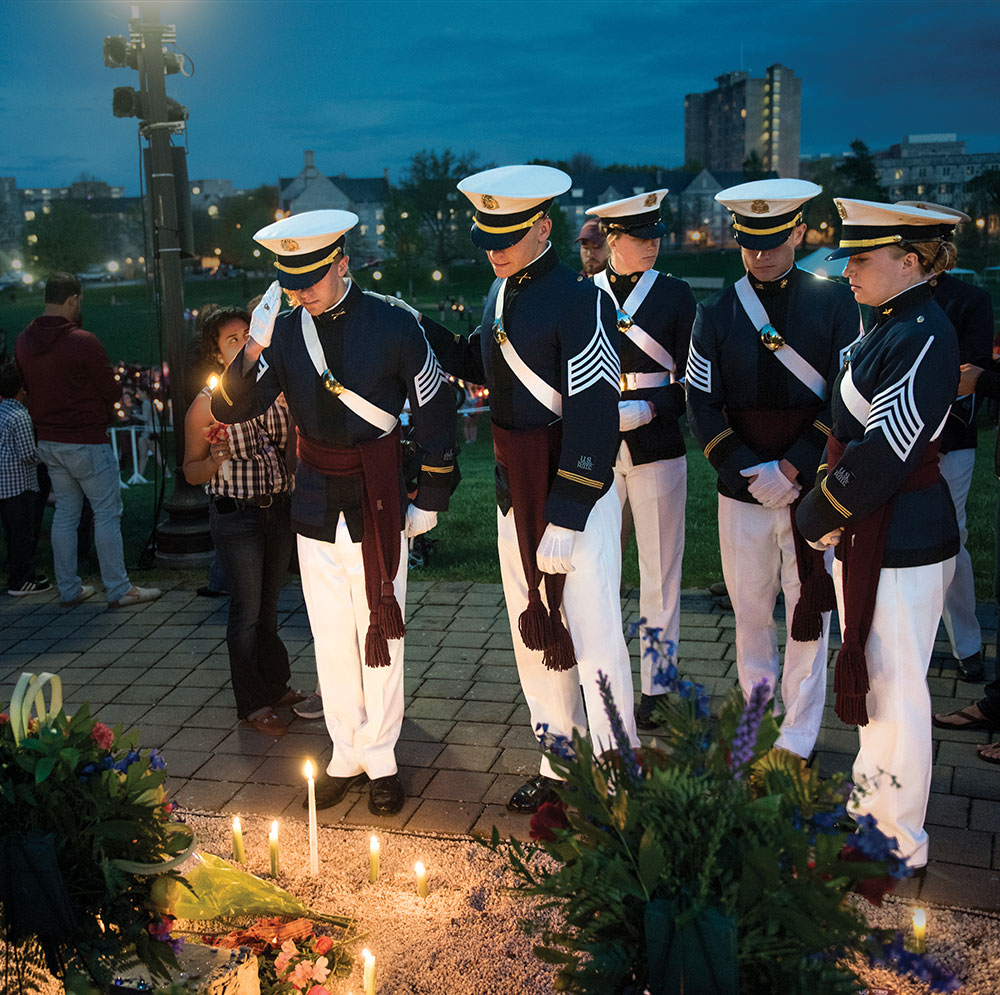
(862, 552)
(530, 458)
(377, 463)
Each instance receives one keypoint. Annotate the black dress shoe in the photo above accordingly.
(530, 796)
(644, 713)
(385, 795)
(971, 668)
(330, 790)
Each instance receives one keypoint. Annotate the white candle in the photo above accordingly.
(313, 830)
(373, 856)
(919, 931)
(421, 873)
(369, 971)
(239, 852)
(273, 841)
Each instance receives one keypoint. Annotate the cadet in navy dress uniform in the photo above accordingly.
(970, 310)
(655, 315)
(347, 361)
(881, 489)
(544, 349)
(763, 356)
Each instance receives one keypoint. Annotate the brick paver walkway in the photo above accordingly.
(465, 744)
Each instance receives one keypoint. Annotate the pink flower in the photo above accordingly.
(288, 947)
(317, 990)
(4, 718)
(301, 973)
(32, 726)
(102, 736)
(323, 944)
(280, 963)
(320, 971)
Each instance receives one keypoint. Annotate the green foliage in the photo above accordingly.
(101, 802)
(859, 176)
(759, 844)
(232, 228)
(64, 240)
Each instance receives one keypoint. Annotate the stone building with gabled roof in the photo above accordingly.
(311, 190)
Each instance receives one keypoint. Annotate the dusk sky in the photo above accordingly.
(366, 84)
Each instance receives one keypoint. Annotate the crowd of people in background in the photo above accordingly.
(843, 451)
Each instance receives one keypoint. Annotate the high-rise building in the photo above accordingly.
(743, 115)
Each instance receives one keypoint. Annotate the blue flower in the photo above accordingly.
(554, 743)
(622, 744)
(130, 758)
(749, 726)
(156, 761)
(895, 956)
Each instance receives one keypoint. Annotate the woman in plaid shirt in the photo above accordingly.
(248, 483)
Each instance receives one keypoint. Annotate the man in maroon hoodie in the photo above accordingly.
(71, 395)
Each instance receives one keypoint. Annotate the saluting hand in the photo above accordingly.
(265, 314)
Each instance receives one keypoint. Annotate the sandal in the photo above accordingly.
(970, 720)
(989, 759)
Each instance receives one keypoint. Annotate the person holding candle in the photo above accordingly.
(881, 502)
(347, 361)
(655, 315)
(242, 466)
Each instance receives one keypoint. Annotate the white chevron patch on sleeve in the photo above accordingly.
(262, 366)
(429, 379)
(597, 360)
(894, 411)
(698, 372)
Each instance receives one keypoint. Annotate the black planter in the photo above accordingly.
(32, 890)
(698, 956)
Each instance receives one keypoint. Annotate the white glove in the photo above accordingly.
(771, 488)
(265, 314)
(632, 414)
(555, 551)
(418, 521)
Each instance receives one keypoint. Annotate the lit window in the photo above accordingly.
(577, 192)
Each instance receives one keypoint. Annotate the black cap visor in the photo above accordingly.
(306, 269)
(501, 231)
(855, 239)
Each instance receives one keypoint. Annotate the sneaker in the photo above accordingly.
(30, 587)
(137, 596)
(311, 708)
(87, 591)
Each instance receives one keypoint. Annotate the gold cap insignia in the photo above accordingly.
(841, 211)
(760, 207)
(289, 245)
(489, 202)
(650, 200)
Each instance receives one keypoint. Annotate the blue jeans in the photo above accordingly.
(255, 547)
(77, 471)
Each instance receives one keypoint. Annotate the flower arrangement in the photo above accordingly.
(85, 831)
(713, 863)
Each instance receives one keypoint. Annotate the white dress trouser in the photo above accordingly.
(758, 559)
(363, 706)
(657, 494)
(959, 613)
(591, 609)
(896, 743)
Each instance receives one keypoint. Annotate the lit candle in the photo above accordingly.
(919, 931)
(421, 873)
(273, 841)
(369, 971)
(239, 853)
(373, 851)
(313, 831)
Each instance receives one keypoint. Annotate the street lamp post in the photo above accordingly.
(183, 539)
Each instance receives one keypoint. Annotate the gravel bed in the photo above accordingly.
(464, 938)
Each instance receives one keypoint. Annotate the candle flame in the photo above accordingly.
(237, 828)
(373, 844)
(213, 382)
(919, 918)
(419, 867)
(368, 955)
(274, 829)
(309, 770)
